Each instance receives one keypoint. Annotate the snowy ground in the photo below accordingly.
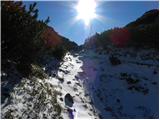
(69, 83)
(31, 98)
(99, 89)
(38, 98)
(127, 90)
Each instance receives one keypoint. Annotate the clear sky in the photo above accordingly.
(115, 14)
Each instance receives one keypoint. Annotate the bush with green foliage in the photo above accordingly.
(59, 52)
(21, 42)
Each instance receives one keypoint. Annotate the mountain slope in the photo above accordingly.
(127, 89)
(149, 17)
(141, 33)
(145, 30)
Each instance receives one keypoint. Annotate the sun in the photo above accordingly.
(86, 10)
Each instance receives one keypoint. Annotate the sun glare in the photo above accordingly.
(86, 10)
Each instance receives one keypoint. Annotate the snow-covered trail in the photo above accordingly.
(70, 83)
(112, 89)
(37, 98)
(99, 89)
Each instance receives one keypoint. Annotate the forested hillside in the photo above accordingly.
(141, 33)
(25, 39)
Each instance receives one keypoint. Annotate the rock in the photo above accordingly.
(118, 100)
(89, 114)
(78, 61)
(154, 72)
(79, 84)
(114, 60)
(100, 116)
(77, 77)
(85, 106)
(68, 100)
(86, 95)
(77, 94)
(145, 91)
(68, 82)
(61, 99)
(61, 79)
(154, 83)
(108, 109)
(75, 89)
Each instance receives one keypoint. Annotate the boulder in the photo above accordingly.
(68, 100)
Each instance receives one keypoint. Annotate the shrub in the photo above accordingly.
(38, 72)
(25, 39)
(59, 52)
(21, 31)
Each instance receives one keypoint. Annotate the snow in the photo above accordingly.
(99, 89)
(72, 64)
(110, 93)
(28, 100)
(33, 98)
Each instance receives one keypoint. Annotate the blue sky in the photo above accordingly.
(116, 14)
